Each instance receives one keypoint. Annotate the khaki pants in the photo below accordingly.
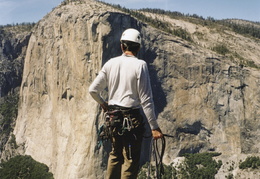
(123, 161)
(120, 166)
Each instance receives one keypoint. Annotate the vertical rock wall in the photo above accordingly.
(56, 122)
(13, 44)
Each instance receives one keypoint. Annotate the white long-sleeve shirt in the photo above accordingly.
(128, 82)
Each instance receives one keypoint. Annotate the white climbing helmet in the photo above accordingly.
(132, 35)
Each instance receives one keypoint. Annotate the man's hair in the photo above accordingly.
(130, 46)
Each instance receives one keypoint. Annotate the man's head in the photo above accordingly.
(131, 40)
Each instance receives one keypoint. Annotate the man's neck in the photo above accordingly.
(129, 53)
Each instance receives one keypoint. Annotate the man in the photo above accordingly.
(127, 79)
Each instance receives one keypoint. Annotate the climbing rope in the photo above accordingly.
(157, 151)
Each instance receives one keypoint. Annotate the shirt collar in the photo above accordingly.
(127, 55)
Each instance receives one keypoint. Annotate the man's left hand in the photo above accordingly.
(157, 133)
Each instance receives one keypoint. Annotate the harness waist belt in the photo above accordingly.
(120, 108)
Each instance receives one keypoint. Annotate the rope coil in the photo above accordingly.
(157, 152)
(157, 156)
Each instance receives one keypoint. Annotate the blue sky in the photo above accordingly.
(18, 11)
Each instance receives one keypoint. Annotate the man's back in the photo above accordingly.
(123, 75)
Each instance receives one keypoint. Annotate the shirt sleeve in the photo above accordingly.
(98, 85)
(146, 96)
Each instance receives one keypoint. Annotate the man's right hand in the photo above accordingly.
(157, 133)
(104, 106)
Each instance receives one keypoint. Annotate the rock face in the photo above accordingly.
(12, 53)
(13, 44)
(207, 102)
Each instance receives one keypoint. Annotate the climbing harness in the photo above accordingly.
(120, 122)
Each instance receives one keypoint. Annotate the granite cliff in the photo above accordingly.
(14, 41)
(207, 101)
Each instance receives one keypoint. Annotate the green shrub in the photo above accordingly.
(221, 49)
(169, 172)
(195, 166)
(250, 162)
(230, 176)
(201, 165)
(24, 167)
(13, 142)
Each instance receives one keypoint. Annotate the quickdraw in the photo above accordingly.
(127, 125)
